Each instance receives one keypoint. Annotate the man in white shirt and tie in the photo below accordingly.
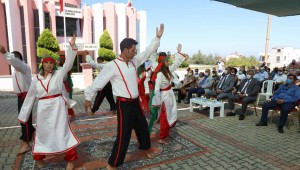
(247, 93)
(122, 73)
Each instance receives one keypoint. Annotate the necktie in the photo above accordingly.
(244, 89)
(222, 82)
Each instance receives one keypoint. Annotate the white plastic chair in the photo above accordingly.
(270, 86)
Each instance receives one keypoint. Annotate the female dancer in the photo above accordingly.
(164, 95)
(53, 132)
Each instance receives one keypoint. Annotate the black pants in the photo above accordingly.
(245, 101)
(27, 129)
(130, 117)
(105, 92)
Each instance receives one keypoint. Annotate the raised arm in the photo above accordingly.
(18, 64)
(142, 57)
(179, 58)
(71, 52)
(92, 63)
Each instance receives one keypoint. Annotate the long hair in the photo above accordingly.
(166, 72)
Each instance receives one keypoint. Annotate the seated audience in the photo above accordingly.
(224, 87)
(247, 92)
(279, 78)
(188, 83)
(286, 97)
(203, 86)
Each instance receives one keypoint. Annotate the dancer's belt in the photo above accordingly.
(123, 99)
(166, 89)
(49, 97)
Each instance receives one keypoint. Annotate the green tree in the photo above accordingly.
(106, 47)
(47, 44)
(242, 61)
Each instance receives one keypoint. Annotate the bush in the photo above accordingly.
(106, 47)
(47, 44)
(107, 54)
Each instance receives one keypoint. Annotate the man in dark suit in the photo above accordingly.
(224, 87)
(247, 92)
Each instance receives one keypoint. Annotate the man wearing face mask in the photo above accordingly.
(279, 78)
(203, 86)
(247, 92)
(224, 87)
(293, 67)
(286, 97)
(262, 75)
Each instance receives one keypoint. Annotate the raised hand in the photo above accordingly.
(179, 47)
(160, 32)
(73, 40)
(2, 49)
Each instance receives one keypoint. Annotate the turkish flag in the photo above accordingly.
(61, 3)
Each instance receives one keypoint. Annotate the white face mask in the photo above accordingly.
(280, 72)
(248, 76)
(190, 74)
(206, 74)
(225, 71)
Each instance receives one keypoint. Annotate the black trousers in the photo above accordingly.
(105, 92)
(26, 129)
(130, 117)
(245, 101)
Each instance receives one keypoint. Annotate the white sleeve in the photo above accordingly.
(140, 58)
(70, 57)
(153, 61)
(18, 64)
(179, 58)
(100, 81)
(28, 103)
(89, 60)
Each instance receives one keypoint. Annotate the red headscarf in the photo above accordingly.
(48, 58)
(161, 61)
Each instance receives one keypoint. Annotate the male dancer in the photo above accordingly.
(21, 84)
(122, 73)
(106, 91)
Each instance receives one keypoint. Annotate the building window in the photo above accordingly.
(278, 50)
(92, 24)
(104, 23)
(278, 59)
(66, 5)
(262, 58)
(23, 34)
(36, 23)
(284, 59)
(71, 27)
(47, 20)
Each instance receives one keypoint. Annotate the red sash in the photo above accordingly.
(49, 97)
(166, 89)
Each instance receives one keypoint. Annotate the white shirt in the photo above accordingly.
(22, 74)
(280, 78)
(123, 77)
(92, 63)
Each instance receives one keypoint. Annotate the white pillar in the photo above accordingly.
(143, 30)
(98, 24)
(41, 15)
(122, 24)
(13, 25)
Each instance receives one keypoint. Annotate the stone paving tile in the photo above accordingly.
(232, 144)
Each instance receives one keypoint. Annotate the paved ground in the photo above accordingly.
(232, 144)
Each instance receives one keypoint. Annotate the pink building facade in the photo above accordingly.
(22, 21)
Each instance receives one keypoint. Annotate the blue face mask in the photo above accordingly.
(288, 81)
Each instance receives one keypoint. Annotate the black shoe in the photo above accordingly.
(187, 102)
(260, 123)
(242, 117)
(230, 114)
(280, 129)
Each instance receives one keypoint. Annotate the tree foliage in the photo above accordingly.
(106, 47)
(47, 44)
(200, 58)
(242, 61)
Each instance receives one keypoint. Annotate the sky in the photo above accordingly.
(213, 27)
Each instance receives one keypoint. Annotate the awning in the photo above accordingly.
(274, 7)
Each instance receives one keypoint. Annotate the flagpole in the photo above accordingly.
(65, 32)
